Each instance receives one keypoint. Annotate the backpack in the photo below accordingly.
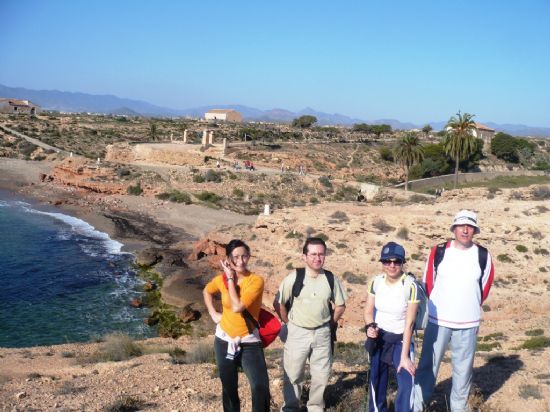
(297, 288)
(482, 258)
(421, 319)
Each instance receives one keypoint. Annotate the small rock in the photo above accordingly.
(20, 395)
(136, 303)
(156, 389)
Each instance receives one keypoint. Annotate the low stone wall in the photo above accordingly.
(172, 154)
(440, 181)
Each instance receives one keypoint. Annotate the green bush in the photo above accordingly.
(351, 277)
(238, 192)
(541, 251)
(122, 172)
(26, 148)
(212, 176)
(487, 347)
(536, 342)
(511, 149)
(386, 153)
(135, 190)
(534, 332)
(208, 197)
(179, 197)
(504, 258)
(198, 178)
(325, 181)
(521, 248)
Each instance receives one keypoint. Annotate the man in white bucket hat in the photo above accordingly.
(458, 277)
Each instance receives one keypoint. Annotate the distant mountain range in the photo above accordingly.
(82, 102)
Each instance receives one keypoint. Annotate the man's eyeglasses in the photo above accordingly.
(395, 262)
(317, 255)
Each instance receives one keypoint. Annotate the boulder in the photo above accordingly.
(188, 314)
(136, 303)
(149, 286)
(149, 257)
(207, 247)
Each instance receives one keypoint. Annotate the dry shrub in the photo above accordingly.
(125, 404)
(382, 226)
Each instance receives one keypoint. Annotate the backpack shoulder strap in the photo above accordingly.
(482, 256)
(439, 254)
(330, 278)
(298, 282)
(296, 287)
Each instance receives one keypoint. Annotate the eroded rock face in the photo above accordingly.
(85, 174)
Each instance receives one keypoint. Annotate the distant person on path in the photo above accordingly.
(458, 277)
(241, 295)
(305, 304)
(390, 312)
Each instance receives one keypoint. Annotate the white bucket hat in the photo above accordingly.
(466, 217)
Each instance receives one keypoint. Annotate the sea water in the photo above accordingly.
(61, 280)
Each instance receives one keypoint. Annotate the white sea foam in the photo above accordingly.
(83, 228)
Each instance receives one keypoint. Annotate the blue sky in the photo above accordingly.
(415, 61)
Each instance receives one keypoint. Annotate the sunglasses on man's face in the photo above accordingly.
(395, 262)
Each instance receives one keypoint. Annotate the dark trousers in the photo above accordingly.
(252, 360)
(379, 383)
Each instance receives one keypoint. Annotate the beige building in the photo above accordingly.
(226, 115)
(16, 106)
(486, 134)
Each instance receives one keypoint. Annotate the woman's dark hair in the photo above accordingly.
(313, 241)
(234, 244)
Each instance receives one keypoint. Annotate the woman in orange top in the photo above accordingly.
(235, 345)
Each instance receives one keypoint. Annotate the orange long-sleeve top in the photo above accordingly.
(251, 289)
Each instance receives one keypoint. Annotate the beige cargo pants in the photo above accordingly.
(303, 344)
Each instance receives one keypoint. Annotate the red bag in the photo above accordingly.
(268, 325)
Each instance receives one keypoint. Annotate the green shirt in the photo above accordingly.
(311, 308)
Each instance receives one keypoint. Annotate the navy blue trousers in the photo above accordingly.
(378, 385)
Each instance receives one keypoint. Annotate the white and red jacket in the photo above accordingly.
(458, 290)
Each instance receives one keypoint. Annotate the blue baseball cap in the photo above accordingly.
(392, 250)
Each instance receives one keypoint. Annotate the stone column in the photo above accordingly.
(224, 146)
(266, 210)
(204, 137)
(211, 137)
(185, 136)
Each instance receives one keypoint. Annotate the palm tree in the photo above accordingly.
(407, 153)
(153, 131)
(459, 142)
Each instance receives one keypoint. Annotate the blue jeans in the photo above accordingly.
(378, 384)
(463, 347)
(252, 360)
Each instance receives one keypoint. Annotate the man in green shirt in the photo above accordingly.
(308, 323)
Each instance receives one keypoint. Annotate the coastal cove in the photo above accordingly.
(63, 280)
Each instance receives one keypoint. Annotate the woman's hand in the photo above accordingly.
(372, 332)
(227, 269)
(408, 365)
